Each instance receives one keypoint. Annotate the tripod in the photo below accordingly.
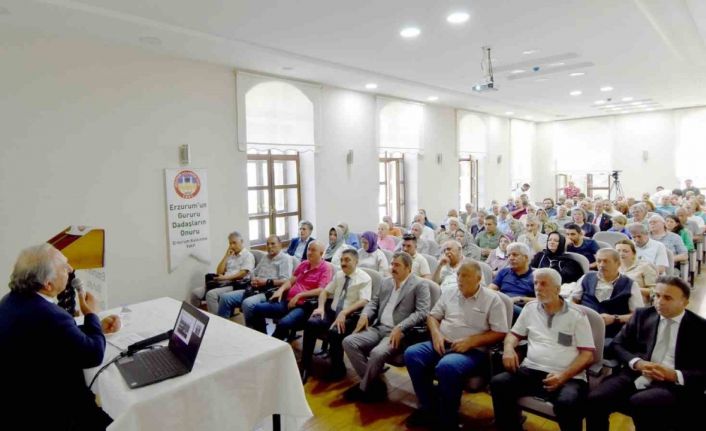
(615, 187)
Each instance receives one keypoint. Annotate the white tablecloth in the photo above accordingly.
(241, 377)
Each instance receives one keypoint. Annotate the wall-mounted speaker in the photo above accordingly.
(439, 158)
(645, 155)
(184, 154)
(349, 157)
(499, 159)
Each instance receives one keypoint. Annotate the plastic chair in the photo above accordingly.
(602, 244)
(431, 260)
(388, 254)
(258, 254)
(581, 259)
(609, 237)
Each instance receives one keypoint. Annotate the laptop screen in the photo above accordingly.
(189, 330)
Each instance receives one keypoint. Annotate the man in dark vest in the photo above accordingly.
(613, 295)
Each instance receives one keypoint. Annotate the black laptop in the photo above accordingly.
(151, 366)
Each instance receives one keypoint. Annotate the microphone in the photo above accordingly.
(135, 347)
(77, 284)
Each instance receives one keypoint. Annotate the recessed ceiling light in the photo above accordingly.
(433, 98)
(410, 32)
(150, 40)
(516, 71)
(574, 74)
(599, 102)
(371, 86)
(607, 88)
(560, 63)
(576, 93)
(509, 113)
(627, 99)
(458, 17)
(530, 51)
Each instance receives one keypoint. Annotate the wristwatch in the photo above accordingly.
(617, 318)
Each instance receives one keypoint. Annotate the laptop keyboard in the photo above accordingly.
(160, 363)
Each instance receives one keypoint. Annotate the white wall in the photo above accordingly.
(88, 129)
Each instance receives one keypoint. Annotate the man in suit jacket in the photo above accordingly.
(664, 372)
(403, 302)
(45, 352)
(298, 246)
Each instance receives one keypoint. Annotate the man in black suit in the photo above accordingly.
(45, 352)
(664, 372)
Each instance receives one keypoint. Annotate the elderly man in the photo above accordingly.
(426, 232)
(465, 216)
(45, 352)
(648, 250)
(350, 290)
(613, 295)
(516, 280)
(232, 271)
(462, 324)
(298, 246)
(488, 238)
(561, 218)
(560, 348)
(504, 220)
(602, 220)
(272, 271)
(288, 302)
(665, 207)
(449, 264)
(664, 376)
(671, 241)
(420, 266)
(424, 245)
(578, 244)
(402, 303)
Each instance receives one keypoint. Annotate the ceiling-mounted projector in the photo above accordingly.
(487, 67)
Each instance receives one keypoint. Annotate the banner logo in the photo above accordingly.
(187, 184)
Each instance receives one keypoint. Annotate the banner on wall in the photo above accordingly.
(187, 215)
(84, 247)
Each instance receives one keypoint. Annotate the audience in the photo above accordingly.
(583, 246)
(619, 223)
(424, 246)
(449, 264)
(336, 246)
(298, 246)
(385, 240)
(370, 256)
(394, 230)
(674, 225)
(488, 238)
(350, 238)
(644, 274)
(554, 257)
(533, 238)
(649, 250)
(516, 281)
(602, 220)
(671, 241)
(498, 257)
(420, 266)
(561, 218)
(469, 249)
(579, 217)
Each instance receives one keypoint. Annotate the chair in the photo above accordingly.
(258, 254)
(397, 240)
(431, 260)
(609, 237)
(602, 244)
(545, 408)
(388, 254)
(581, 259)
(295, 262)
(376, 279)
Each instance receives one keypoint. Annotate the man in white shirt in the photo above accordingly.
(560, 348)
(648, 250)
(351, 290)
(420, 266)
(449, 264)
(462, 324)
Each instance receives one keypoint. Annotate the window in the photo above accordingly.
(391, 190)
(468, 182)
(274, 195)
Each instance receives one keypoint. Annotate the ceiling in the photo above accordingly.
(653, 51)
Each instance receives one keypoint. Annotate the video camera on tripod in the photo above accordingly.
(615, 175)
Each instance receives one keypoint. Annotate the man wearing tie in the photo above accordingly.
(664, 373)
(351, 289)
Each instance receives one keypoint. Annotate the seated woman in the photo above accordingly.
(385, 240)
(674, 225)
(619, 223)
(370, 256)
(579, 216)
(554, 256)
(497, 259)
(644, 274)
(470, 249)
(336, 245)
(394, 230)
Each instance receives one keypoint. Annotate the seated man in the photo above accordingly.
(424, 246)
(516, 280)
(561, 218)
(560, 348)
(488, 238)
(549, 207)
(663, 378)
(235, 267)
(671, 241)
(611, 294)
(648, 250)
(426, 232)
(463, 323)
(288, 302)
(351, 289)
(581, 245)
(272, 271)
(298, 246)
(449, 263)
(402, 303)
(45, 352)
(420, 266)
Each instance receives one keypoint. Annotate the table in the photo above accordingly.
(240, 379)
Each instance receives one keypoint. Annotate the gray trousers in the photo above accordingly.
(368, 351)
(212, 297)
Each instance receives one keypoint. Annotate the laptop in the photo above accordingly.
(151, 366)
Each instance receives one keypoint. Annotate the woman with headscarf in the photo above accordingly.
(497, 259)
(336, 245)
(349, 237)
(470, 249)
(370, 255)
(554, 256)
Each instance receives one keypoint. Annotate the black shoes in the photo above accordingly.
(420, 418)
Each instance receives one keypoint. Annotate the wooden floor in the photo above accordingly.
(332, 412)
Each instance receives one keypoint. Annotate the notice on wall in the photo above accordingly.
(187, 215)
